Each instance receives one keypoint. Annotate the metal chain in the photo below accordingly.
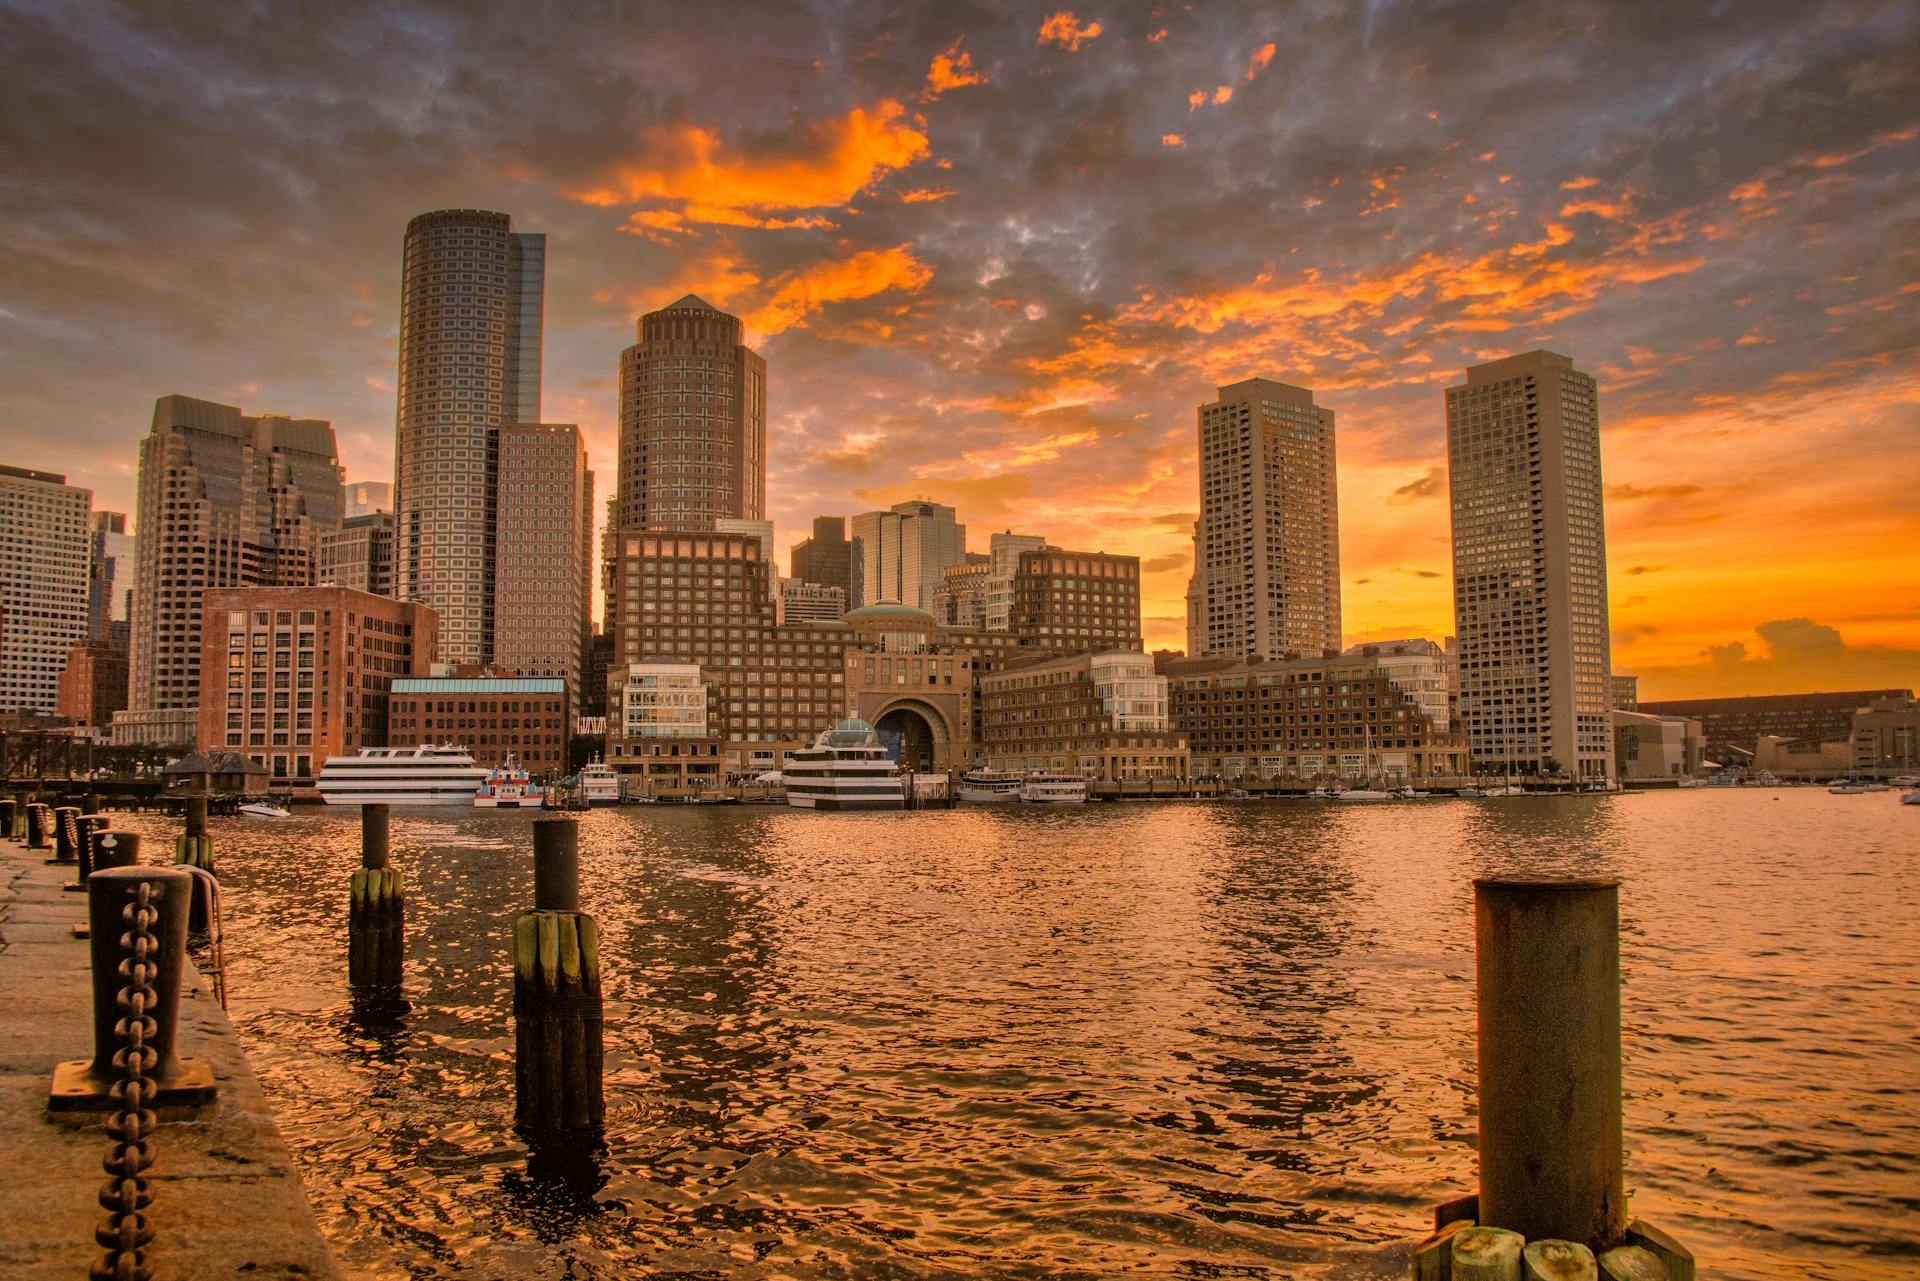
(125, 1195)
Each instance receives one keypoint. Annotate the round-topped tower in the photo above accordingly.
(890, 625)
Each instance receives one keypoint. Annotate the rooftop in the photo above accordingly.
(479, 685)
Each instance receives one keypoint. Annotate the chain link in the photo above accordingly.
(125, 1194)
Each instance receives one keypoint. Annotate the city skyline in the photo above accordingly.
(1005, 343)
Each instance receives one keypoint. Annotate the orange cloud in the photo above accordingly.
(920, 195)
(1063, 29)
(1196, 100)
(952, 68)
(1157, 36)
(799, 294)
(1223, 93)
(1261, 57)
(824, 167)
(1172, 140)
(1579, 184)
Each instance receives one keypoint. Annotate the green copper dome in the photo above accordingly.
(888, 610)
(852, 732)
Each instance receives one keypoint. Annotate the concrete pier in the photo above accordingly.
(227, 1200)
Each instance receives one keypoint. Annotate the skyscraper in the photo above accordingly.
(226, 500)
(1268, 545)
(44, 536)
(471, 299)
(902, 553)
(693, 422)
(367, 498)
(109, 577)
(1530, 564)
(826, 558)
(545, 573)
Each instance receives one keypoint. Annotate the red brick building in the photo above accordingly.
(490, 713)
(292, 675)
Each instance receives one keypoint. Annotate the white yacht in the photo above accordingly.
(423, 775)
(1365, 794)
(981, 786)
(845, 769)
(1053, 789)
(507, 787)
(599, 785)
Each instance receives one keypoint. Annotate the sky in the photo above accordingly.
(995, 255)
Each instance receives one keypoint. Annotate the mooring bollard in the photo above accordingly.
(9, 813)
(556, 995)
(137, 971)
(66, 833)
(376, 910)
(39, 826)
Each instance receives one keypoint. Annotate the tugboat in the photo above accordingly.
(599, 784)
(507, 788)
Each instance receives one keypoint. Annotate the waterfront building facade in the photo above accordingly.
(45, 537)
(93, 684)
(1327, 718)
(359, 554)
(825, 558)
(901, 554)
(666, 733)
(693, 422)
(1648, 748)
(1530, 565)
(1076, 602)
(544, 572)
(804, 602)
(227, 500)
(1104, 716)
(472, 296)
(490, 712)
(1734, 726)
(1267, 547)
(293, 675)
(1418, 666)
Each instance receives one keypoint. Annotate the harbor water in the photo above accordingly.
(1178, 1039)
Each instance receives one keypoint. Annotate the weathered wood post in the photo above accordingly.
(128, 960)
(556, 995)
(1551, 1155)
(375, 911)
(1552, 1202)
(193, 846)
(9, 816)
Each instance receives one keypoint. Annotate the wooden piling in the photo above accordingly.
(376, 911)
(556, 996)
(1548, 962)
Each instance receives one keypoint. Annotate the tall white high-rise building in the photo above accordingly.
(471, 315)
(1003, 564)
(902, 553)
(1530, 565)
(367, 498)
(45, 531)
(1267, 547)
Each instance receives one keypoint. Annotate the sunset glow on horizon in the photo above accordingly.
(998, 261)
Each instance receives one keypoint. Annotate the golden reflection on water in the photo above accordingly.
(1227, 1039)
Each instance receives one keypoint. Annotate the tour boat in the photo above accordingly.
(845, 769)
(263, 809)
(990, 787)
(507, 787)
(599, 784)
(423, 775)
(1053, 789)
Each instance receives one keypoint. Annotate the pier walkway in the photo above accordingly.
(227, 1201)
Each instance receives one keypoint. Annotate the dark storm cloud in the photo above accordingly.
(1010, 286)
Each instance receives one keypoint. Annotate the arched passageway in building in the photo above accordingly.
(908, 736)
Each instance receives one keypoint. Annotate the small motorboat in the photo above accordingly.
(1410, 793)
(1365, 794)
(264, 809)
(1855, 786)
(1912, 797)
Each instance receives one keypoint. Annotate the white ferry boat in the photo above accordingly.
(599, 785)
(507, 787)
(845, 769)
(423, 775)
(1053, 789)
(990, 787)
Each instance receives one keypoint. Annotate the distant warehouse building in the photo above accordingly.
(488, 712)
(1733, 727)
